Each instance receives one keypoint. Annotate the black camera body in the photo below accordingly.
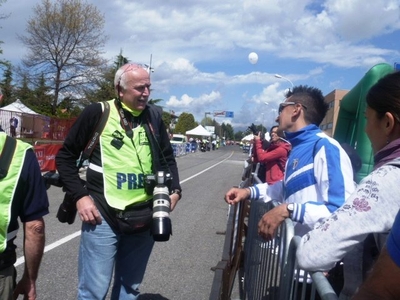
(67, 211)
(159, 185)
(52, 178)
(253, 129)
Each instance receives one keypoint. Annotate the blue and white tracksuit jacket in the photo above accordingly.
(318, 178)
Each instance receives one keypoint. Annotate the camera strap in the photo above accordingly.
(6, 156)
(96, 134)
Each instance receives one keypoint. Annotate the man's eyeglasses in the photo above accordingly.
(284, 104)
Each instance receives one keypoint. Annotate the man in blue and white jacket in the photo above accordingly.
(318, 172)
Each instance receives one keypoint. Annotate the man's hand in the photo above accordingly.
(235, 195)
(88, 211)
(174, 200)
(25, 287)
(271, 220)
(34, 239)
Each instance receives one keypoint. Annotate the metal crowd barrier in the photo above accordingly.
(263, 261)
(179, 149)
(293, 287)
(269, 269)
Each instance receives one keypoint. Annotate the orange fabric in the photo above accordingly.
(46, 155)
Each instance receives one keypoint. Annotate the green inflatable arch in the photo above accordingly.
(351, 121)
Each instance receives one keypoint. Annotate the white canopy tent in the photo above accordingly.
(199, 131)
(30, 123)
(19, 107)
(248, 138)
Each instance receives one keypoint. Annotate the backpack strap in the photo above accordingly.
(6, 156)
(96, 134)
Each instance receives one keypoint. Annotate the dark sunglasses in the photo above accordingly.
(284, 104)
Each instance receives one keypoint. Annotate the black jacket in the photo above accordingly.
(82, 131)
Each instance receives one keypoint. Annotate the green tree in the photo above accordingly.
(7, 86)
(227, 131)
(185, 122)
(67, 108)
(167, 119)
(206, 121)
(2, 17)
(24, 93)
(103, 86)
(64, 39)
(41, 100)
(239, 135)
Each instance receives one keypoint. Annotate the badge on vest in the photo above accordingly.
(143, 141)
(117, 139)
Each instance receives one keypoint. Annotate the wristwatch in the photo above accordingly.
(178, 192)
(290, 208)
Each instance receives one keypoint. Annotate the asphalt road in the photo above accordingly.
(178, 269)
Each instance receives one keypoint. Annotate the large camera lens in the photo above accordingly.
(161, 227)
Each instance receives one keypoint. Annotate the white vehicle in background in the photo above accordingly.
(178, 139)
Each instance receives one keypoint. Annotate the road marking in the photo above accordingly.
(195, 175)
(21, 259)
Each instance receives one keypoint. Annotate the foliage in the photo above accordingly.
(239, 135)
(103, 86)
(227, 131)
(2, 16)
(167, 119)
(185, 122)
(24, 93)
(64, 39)
(206, 121)
(6, 85)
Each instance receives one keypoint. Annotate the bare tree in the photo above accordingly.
(3, 63)
(65, 40)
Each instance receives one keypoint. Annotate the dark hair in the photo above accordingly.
(270, 131)
(313, 99)
(384, 96)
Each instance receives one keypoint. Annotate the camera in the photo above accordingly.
(67, 211)
(253, 129)
(52, 178)
(161, 228)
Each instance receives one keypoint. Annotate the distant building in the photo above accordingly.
(328, 124)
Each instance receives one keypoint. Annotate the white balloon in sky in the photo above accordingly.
(253, 58)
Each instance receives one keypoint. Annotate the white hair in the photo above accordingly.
(119, 79)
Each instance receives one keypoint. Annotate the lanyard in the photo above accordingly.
(124, 121)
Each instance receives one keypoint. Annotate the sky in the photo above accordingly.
(200, 49)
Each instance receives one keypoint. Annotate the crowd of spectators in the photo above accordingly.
(342, 223)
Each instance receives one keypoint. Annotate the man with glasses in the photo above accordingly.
(318, 172)
(114, 205)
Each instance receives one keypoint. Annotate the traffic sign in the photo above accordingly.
(223, 113)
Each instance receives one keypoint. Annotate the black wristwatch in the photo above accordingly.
(290, 208)
(178, 192)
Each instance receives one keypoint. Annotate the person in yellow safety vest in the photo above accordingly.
(114, 202)
(23, 194)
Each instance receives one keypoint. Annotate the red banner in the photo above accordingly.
(46, 154)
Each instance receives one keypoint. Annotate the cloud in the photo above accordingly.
(195, 104)
(200, 48)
